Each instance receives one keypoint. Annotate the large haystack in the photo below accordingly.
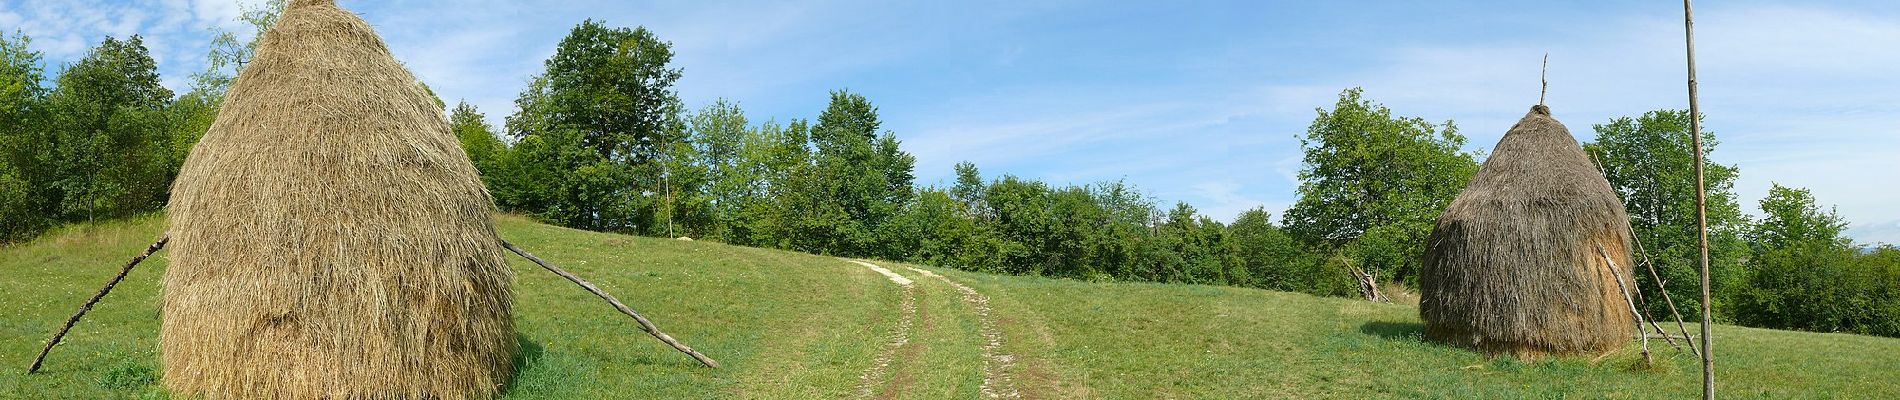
(1514, 266)
(331, 239)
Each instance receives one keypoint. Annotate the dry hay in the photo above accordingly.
(1513, 265)
(331, 238)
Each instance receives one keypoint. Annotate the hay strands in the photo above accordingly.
(95, 300)
(645, 325)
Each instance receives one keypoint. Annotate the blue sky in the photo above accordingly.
(1198, 101)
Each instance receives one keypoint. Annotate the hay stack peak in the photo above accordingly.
(1515, 265)
(330, 238)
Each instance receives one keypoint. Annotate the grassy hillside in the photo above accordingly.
(789, 325)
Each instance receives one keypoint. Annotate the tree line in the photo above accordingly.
(600, 140)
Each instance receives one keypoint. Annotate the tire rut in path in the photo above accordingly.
(907, 308)
(998, 381)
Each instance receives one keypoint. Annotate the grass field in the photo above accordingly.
(791, 325)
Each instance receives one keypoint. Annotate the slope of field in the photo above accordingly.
(790, 325)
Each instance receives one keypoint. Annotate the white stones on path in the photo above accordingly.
(867, 382)
(997, 381)
(900, 279)
(997, 364)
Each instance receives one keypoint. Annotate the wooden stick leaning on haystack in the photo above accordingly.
(1618, 274)
(95, 300)
(645, 325)
(1661, 285)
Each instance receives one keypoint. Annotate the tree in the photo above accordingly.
(611, 90)
(1125, 242)
(1197, 242)
(1274, 260)
(1879, 273)
(228, 57)
(862, 175)
(1805, 274)
(478, 139)
(110, 113)
(1790, 216)
(613, 85)
(935, 230)
(684, 207)
(1022, 223)
(969, 186)
(24, 172)
(721, 133)
(1374, 183)
(1806, 285)
(800, 216)
(1649, 163)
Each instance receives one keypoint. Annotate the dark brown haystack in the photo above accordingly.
(330, 237)
(1515, 264)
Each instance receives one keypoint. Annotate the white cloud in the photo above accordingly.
(221, 12)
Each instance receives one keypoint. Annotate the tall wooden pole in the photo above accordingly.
(1701, 204)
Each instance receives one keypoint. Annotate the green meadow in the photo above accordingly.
(793, 325)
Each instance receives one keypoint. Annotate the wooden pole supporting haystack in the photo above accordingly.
(645, 325)
(1661, 285)
(95, 300)
(1627, 299)
(1701, 203)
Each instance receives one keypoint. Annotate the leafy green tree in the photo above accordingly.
(1274, 260)
(969, 186)
(935, 230)
(1879, 273)
(1198, 242)
(1649, 163)
(683, 206)
(800, 216)
(722, 135)
(228, 55)
(1124, 241)
(771, 154)
(863, 176)
(1076, 246)
(110, 113)
(1374, 183)
(615, 87)
(1022, 222)
(1796, 287)
(1805, 275)
(24, 157)
(478, 139)
(1790, 216)
(611, 90)
(550, 175)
